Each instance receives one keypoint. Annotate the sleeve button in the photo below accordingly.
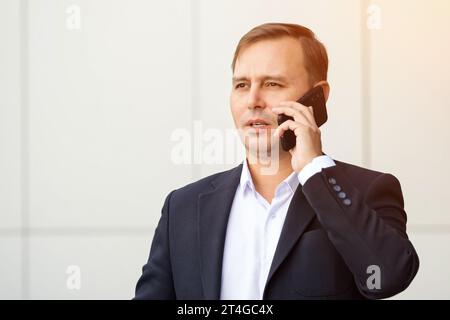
(347, 202)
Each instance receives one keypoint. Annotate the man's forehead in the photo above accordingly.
(270, 59)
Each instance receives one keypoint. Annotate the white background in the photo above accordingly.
(86, 117)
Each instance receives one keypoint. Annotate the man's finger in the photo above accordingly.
(297, 112)
(308, 111)
(289, 125)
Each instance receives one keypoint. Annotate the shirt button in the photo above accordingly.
(332, 180)
(337, 188)
(347, 202)
(341, 195)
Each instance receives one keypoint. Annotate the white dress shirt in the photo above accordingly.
(253, 230)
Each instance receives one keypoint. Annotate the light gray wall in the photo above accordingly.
(87, 117)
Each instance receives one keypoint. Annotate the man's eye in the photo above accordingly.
(240, 85)
(272, 84)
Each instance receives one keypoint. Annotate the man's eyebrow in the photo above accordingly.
(272, 77)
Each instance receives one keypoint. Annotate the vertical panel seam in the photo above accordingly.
(365, 84)
(195, 79)
(24, 146)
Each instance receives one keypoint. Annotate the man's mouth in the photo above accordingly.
(258, 123)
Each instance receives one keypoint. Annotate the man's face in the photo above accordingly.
(266, 73)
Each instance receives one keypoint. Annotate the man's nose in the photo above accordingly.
(255, 99)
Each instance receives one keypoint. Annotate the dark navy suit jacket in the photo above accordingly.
(341, 221)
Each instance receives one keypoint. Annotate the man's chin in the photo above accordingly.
(262, 148)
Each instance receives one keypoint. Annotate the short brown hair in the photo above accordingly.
(316, 58)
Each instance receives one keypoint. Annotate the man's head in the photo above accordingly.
(273, 62)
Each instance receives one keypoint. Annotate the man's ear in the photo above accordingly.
(326, 88)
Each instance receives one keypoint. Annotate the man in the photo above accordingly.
(313, 228)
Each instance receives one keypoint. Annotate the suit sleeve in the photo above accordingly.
(156, 281)
(367, 229)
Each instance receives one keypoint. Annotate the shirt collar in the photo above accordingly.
(292, 181)
(246, 180)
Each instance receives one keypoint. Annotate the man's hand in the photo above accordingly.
(308, 142)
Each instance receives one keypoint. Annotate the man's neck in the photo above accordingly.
(265, 183)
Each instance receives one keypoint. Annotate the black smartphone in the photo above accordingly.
(314, 98)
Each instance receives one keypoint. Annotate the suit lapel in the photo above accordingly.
(298, 217)
(213, 211)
